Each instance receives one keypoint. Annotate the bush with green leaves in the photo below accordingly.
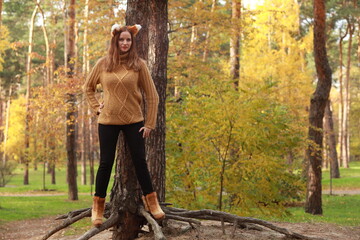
(228, 148)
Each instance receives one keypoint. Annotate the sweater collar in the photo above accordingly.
(124, 57)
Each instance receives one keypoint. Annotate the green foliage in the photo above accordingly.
(16, 133)
(219, 136)
(4, 44)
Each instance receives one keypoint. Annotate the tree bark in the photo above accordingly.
(318, 101)
(125, 194)
(152, 43)
(157, 62)
(71, 109)
(235, 42)
(331, 141)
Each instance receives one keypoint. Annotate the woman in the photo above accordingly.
(122, 75)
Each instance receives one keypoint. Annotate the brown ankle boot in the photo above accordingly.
(146, 207)
(97, 211)
(154, 207)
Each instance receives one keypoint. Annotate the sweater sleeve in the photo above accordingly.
(89, 87)
(151, 96)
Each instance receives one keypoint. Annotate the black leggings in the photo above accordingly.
(108, 137)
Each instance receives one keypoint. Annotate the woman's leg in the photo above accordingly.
(108, 136)
(136, 144)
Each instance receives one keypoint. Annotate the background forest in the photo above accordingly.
(240, 78)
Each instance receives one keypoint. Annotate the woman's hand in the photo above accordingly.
(146, 131)
(100, 107)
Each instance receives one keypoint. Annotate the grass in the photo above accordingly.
(16, 186)
(349, 178)
(20, 208)
(341, 210)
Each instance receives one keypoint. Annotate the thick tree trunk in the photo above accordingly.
(125, 194)
(318, 101)
(331, 141)
(152, 44)
(28, 96)
(157, 62)
(71, 109)
(235, 42)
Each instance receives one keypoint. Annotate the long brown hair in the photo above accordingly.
(113, 58)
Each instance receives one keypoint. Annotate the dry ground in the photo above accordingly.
(210, 230)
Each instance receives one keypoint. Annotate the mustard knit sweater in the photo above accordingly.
(122, 94)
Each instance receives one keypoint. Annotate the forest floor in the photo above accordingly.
(209, 230)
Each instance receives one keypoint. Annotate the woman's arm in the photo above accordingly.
(151, 96)
(89, 87)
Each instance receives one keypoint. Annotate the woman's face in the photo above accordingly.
(125, 42)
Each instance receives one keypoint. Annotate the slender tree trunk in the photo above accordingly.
(85, 120)
(1, 2)
(71, 109)
(318, 101)
(92, 151)
(341, 91)
(331, 141)
(47, 45)
(206, 47)
(28, 96)
(346, 136)
(235, 42)
(7, 119)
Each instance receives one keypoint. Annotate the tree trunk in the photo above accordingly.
(47, 45)
(341, 91)
(206, 47)
(331, 141)
(157, 62)
(1, 2)
(346, 136)
(235, 42)
(318, 101)
(71, 109)
(153, 44)
(28, 96)
(125, 194)
(92, 124)
(7, 119)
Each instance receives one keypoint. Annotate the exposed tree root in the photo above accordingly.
(111, 221)
(158, 234)
(175, 214)
(231, 218)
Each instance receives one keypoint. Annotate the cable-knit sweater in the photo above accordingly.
(122, 95)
